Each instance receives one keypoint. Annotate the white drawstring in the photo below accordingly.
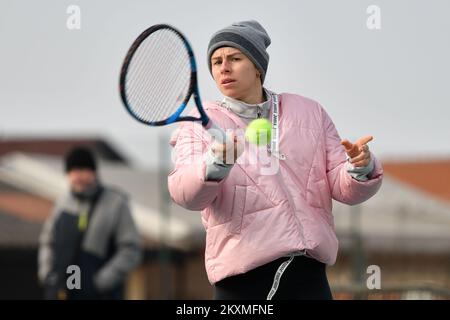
(280, 271)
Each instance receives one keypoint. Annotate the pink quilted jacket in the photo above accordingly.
(254, 216)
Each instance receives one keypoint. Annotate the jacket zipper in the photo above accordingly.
(292, 204)
(291, 201)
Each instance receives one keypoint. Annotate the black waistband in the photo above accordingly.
(300, 266)
(304, 278)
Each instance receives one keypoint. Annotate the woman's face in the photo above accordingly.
(236, 75)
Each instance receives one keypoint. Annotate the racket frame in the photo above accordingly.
(193, 85)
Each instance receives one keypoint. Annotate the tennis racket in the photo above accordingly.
(158, 78)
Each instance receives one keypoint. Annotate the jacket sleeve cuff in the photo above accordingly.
(216, 170)
(360, 173)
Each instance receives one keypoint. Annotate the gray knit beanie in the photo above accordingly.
(247, 36)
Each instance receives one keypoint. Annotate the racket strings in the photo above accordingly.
(142, 84)
(181, 89)
(158, 76)
(161, 70)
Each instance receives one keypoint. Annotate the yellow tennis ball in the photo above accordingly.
(259, 131)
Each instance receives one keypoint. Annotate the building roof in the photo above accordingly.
(429, 176)
(25, 206)
(410, 212)
(61, 146)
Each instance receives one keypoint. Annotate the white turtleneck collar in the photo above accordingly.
(249, 111)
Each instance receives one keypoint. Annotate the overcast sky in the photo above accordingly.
(392, 83)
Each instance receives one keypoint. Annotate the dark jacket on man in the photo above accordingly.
(98, 235)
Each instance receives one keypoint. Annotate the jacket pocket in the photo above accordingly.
(240, 193)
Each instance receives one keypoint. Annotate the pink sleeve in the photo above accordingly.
(343, 187)
(186, 182)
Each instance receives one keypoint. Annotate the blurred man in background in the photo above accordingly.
(91, 228)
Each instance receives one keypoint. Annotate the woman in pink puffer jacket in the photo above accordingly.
(267, 211)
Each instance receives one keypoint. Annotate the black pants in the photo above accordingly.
(304, 279)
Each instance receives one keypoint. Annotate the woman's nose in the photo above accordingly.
(225, 67)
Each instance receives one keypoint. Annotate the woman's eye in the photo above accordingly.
(217, 62)
(236, 59)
